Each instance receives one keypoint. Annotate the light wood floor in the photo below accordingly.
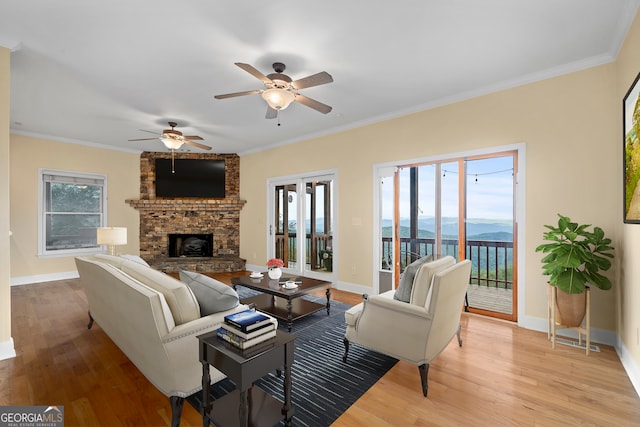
(502, 376)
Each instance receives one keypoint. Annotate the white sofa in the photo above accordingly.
(154, 319)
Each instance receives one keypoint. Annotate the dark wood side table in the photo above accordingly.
(246, 405)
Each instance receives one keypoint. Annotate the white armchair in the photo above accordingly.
(417, 331)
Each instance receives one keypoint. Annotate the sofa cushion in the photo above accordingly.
(424, 277)
(403, 293)
(213, 296)
(183, 304)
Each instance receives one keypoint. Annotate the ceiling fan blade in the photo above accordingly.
(192, 137)
(312, 103)
(231, 95)
(149, 131)
(254, 72)
(272, 113)
(144, 139)
(315, 80)
(196, 144)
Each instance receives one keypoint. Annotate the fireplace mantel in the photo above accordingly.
(187, 204)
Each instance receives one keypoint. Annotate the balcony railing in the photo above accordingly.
(314, 245)
(492, 261)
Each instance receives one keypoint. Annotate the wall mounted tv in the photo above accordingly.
(192, 178)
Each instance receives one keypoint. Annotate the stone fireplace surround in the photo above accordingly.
(161, 216)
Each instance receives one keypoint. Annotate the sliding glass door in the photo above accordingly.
(463, 207)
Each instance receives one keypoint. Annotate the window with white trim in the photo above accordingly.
(72, 205)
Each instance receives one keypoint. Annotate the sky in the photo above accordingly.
(489, 190)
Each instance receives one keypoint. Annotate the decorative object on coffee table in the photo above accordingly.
(275, 268)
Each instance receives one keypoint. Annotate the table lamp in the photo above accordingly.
(112, 237)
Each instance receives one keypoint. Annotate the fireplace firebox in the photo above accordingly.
(190, 245)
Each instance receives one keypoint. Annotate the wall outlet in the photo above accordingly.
(354, 271)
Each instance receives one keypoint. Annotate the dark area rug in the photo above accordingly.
(323, 386)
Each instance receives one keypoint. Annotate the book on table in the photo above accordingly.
(259, 348)
(243, 343)
(247, 320)
(267, 327)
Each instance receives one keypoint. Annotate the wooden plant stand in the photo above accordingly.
(553, 326)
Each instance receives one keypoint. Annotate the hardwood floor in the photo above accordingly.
(503, 375)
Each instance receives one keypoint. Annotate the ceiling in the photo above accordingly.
(99, 72)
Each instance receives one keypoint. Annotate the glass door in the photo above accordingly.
(302, 224)
(490, 234)
(284, 228)
(462, 207)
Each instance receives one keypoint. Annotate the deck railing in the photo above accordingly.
(492, 261)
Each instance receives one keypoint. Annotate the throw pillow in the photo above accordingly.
(403, 293)
(212, 295)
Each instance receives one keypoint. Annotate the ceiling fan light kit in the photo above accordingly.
(278, 99)
(171, 143)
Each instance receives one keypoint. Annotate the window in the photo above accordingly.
(72, 206)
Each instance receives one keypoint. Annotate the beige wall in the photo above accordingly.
(571, 126)
(6, 346)
(628, 66)
(572, 159)
(30, 154)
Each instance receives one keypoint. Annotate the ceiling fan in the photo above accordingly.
(280, 90)
(173, 140)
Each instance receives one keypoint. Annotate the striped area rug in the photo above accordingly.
(323, 386)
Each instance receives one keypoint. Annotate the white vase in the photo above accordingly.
(275, 273)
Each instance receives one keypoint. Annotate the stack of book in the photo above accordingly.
(248, 329)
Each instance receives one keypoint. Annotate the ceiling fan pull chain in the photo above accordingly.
(173, 168)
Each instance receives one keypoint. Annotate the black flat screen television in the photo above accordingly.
(192, 178)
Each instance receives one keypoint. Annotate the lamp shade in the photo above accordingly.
(278, 99)
(111, 236)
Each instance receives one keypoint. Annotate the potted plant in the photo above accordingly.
(575, 259)
(326, 255)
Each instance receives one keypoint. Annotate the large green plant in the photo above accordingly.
(575, 257)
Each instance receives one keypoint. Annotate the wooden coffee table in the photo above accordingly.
(284, 304)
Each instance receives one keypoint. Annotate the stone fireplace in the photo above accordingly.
(190, 234)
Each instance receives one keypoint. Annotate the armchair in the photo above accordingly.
(418, 331)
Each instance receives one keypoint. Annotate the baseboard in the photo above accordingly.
(600, 336)
(353, 287)
(629, 365)
(7, 350)
(51, 277)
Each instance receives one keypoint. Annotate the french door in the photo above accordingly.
(301, 224)
(463, 207)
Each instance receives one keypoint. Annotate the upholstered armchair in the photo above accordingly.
(419, 330)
